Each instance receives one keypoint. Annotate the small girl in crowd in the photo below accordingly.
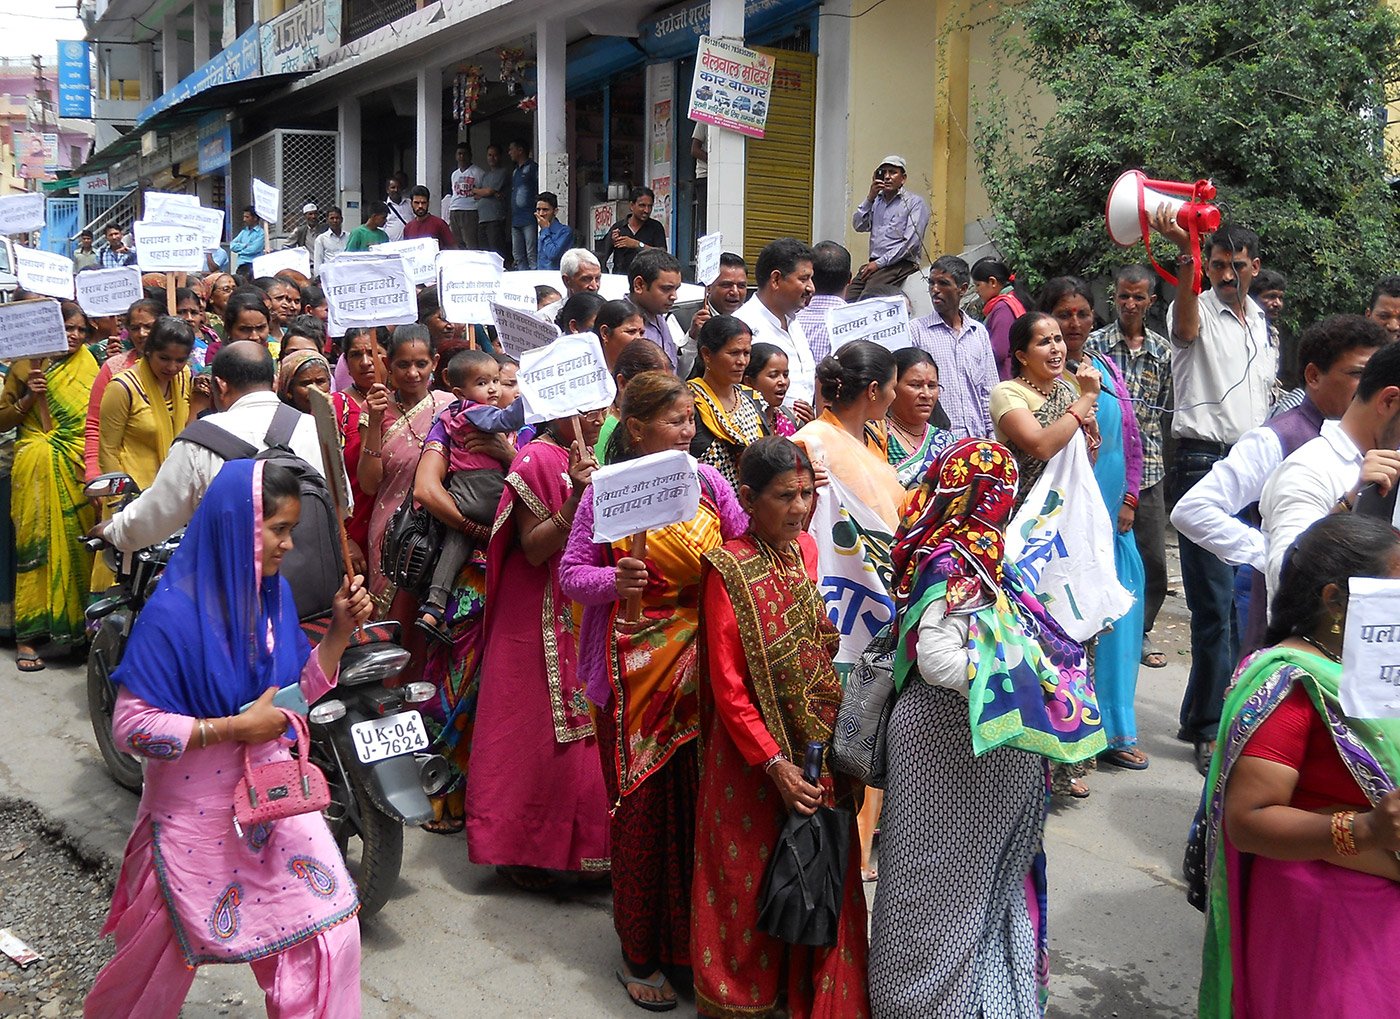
(509, 388)
(475, 480)
(767, 372)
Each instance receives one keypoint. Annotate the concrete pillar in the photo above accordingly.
(169, 53)
(199, 11)
(428, 129)
(725, 190)
(347, 161)
(147, 55)
(948, 195)
(551, 125)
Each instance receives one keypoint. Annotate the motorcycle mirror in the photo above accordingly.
(107, 486)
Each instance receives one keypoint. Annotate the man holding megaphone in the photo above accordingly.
(1223, 369)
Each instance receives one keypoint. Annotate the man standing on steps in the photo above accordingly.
(895, 218)
(400, 208)
(463, 215)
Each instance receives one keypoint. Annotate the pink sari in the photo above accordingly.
(535, 793)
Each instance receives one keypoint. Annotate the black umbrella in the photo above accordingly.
(802, 888)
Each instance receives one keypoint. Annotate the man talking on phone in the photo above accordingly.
(895, 218)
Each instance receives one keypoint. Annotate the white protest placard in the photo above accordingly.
(209, 222)
(267, 201)
(284, 258)
(644, 494)
(520, 331)
(882, 320)
(419, 253)
(153, 200)
(32, 329)
(566, 377)
(104, 292)
(163, 248)
(1371, 649)
(365, 294)
(613, 286)
(468, 281)
(707, 252)
(517, 293)
(44, 272)
(20, 214)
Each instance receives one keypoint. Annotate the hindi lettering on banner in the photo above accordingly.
(468, 281)
(20, 214)
(267, 202)
(707, 252)
(419, 254)
(567, 377)
(274, 262)
(517, 293)
(162, 248)
(882, 320)
(44, 272)
(731, 86)
(520, 331)
(367, 293)
(32, 329)
(1371, 649)
(162, 208)
(644, 494)
(108, 291)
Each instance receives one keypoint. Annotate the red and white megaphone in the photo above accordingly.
(1135, 197)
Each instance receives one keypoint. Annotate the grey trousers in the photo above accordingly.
(1150, 533)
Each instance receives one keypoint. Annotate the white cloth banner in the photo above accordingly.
(32, 329)
(283, 258)
(644, 494)
(44, 272)
(1371, 649)
(567, 377)
(468, 281)
(520, 331)
(368, 293)
(20, 214)
(1062, 539)
(108, 291)
(853, 569)
(419, 254)
(185, 210)
(882, 320)
(161, 248)
(267, 202)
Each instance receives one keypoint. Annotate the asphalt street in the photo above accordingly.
(458, 941)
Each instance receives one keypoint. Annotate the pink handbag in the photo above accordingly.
(281, 789)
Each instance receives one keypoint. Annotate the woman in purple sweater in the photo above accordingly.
(642, 677)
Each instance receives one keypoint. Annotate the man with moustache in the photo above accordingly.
(725, 295)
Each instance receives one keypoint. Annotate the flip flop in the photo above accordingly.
(28, 661)
(656, 983)
(434, 631)
(1124, 759)
(444, 826)
(1151, 657)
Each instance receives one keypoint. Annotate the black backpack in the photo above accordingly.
(314, 567)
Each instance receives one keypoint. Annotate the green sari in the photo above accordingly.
(48, 507)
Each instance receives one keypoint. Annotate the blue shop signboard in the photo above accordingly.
(239, 62)
(215, 137)
(675, 32)
(74, 79)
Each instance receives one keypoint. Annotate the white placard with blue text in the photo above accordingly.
(20, 214)
(367, 293)
(1371, 649)
(32, 329)
(44, 272)
(882, 320)
(267, 202)
(162, 248)
(644, 494)
(103, 292)
(567, 377)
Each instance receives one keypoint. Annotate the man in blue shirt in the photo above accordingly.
(250, 241)
(554, 237)
(116, 254)
(524, 186)
(895, 218)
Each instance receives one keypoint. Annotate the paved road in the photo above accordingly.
(457, 941)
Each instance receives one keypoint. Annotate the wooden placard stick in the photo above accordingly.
(633, 609)
(170, 293)
(42, 399)
(333, 460)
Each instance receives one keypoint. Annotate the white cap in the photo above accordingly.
(894, 161)
(309, 207)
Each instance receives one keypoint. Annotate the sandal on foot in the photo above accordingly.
(1129, 758)
(28, 661)
(868, 874)
(657, 982)
(433, 630)
(1154, 659)
(530, 879)
(444, 826)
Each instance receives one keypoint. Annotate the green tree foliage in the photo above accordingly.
(1278, 102)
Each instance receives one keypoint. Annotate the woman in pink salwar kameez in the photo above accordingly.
(535, 796)
(220, 634)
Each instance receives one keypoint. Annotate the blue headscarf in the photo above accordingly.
(216, 633)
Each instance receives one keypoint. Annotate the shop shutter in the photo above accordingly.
(778, 167)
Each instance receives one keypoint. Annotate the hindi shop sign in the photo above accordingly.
(108, 291)
(1371, 649)
(20, 214)
(298, 39)
(468, 281)
(731, 86)
(644, 494)
(566, 377)
(419, 254)
(366, 293)
(882, 320)
(162, 248)
(44, 272)
(520, 331)
(31, 329)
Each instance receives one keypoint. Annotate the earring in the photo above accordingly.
(1336, 625)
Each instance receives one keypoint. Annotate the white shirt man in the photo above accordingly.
(1224, 379)
(329, 242)
(789, 338)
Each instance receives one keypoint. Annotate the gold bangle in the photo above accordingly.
(1344, 833)
(559, 522)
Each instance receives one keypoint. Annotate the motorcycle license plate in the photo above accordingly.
(381, 738)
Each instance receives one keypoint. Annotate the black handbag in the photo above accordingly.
(800, 902)
(410, 547)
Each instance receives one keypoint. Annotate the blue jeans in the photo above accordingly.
(522, 245)
(1215, 635)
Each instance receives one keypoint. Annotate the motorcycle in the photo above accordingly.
(367, 737)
